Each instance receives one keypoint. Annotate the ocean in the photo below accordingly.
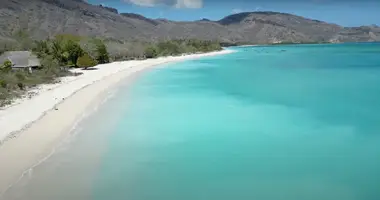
(292, 122)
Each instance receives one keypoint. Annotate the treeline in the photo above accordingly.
(56, 55)
(178, 47)
(62, 52)
(300, 42)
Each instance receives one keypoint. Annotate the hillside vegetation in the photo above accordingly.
(178, 47)
(65, 51)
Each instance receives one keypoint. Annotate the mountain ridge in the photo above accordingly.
(45, 18)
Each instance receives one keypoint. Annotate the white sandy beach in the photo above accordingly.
(31, 128)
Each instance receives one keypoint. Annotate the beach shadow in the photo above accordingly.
(90, 69)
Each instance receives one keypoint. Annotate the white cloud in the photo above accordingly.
(189, 4)
(173, 3)
(237, 10)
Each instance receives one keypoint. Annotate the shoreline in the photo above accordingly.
(32, 128)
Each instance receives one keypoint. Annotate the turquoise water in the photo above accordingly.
(297, 122)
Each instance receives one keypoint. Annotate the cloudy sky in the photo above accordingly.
(343, 12)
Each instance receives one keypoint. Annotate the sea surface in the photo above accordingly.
(293, 122)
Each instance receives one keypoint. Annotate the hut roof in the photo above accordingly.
(20, 59)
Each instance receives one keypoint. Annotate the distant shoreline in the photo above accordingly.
(32, 128)
(284, 44)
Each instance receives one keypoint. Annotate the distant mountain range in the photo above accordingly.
(44, 18)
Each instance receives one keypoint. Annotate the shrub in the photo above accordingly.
(86, 61)
(150, 52)
(5, 97)
(6, 66)
(21, 85)
(52, 68)
(20, 76)
(48, 62)
(3, 83)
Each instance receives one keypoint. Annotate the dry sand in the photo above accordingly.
(32, 128)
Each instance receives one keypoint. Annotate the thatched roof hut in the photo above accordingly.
(21, 59)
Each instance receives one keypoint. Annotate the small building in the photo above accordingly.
(21, 60)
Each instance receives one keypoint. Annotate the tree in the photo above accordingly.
(57, 51)
(150, 52)
(41, 48)
(102, 53)
(74, 51)
(96, 49)
(85, 61)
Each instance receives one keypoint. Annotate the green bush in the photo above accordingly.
(20, 76)
(3, 83)
(48, 62)
(21, 85)
(5, 97)
(6, 66)
(151, 52)
(86, 61)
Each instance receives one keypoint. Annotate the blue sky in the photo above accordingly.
(347, 13)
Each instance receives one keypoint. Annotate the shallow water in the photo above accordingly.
(297, 122)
